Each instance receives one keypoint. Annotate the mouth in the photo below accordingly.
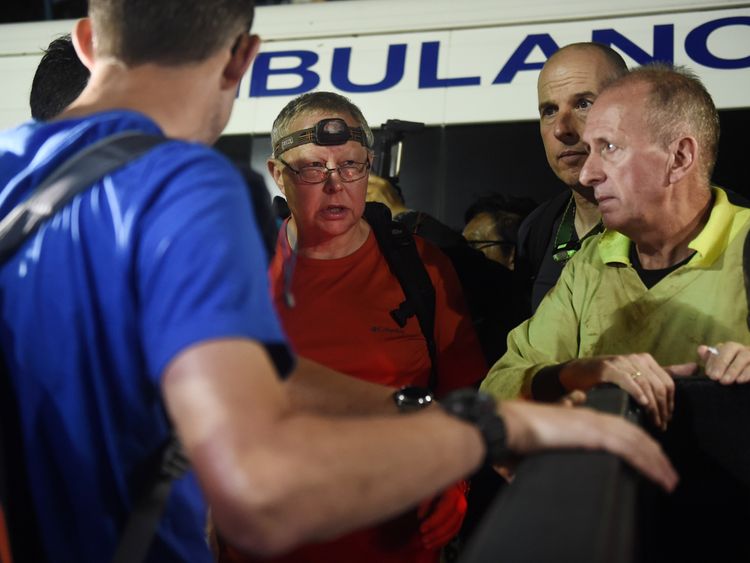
(334, 211)
(571, 155)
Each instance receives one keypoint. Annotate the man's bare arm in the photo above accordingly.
(313, 387)
(276, 477)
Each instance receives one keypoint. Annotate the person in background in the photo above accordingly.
(491, 226)
(497, 300)
(568, 85)
(335, 293)
(638, 305)
(418, 222)
(58, 80)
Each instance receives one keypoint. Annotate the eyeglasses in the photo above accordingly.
(349, 172)
(480, 244)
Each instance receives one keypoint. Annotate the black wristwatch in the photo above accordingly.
(412, 398)
(480, 410)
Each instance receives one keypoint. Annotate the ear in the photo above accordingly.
(83, 41)
(243, 53)
(683, 158)
(276, 173)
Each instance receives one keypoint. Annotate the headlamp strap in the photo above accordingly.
(326, 132)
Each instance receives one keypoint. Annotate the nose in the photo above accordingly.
(566, 128)
(592, 173)
(333, 182)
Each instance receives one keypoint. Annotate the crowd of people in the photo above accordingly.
(335, 399)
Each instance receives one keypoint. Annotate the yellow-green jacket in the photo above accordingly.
(600, 306)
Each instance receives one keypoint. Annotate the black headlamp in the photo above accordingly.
(326, 132)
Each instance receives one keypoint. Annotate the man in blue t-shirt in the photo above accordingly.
(143, 305)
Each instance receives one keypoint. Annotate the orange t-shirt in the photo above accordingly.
(341, 319)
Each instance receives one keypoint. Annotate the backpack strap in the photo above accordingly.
(746, 271)
(400, 252)
(76, 175)
(171, 464)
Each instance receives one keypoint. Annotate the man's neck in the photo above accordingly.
(587, 215)
(177, 99)
(668, 243)
(327, 247)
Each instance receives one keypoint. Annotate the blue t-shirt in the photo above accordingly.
(157, 256)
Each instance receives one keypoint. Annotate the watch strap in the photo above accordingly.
(480, 409)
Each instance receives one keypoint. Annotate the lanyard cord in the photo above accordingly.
(567, 242)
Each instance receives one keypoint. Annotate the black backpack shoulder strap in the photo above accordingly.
(74, 176)
(168, 464)
(746, 271)
(400, 251)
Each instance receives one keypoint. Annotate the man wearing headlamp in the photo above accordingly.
(335, 292)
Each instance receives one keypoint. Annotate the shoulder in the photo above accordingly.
(592, 248)
(33, 150)
(595, 258)
(535, 232)
(545, 214)
(431, 254)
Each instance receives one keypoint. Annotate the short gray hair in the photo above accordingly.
(677, 104)
(318, 102)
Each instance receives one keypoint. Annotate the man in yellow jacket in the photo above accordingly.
(662, 287)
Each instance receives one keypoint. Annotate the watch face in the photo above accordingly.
(412, 398)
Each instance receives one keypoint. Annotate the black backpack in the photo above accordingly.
(19, 536)
(497, 298)
(400, 251)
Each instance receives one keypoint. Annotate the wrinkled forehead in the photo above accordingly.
(614, 113)
(482, 226)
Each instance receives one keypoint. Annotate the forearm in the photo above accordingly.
(275, 476)
(553, 382)
(512, 375)
(314, 388)
(321, 477)
(549, 338)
